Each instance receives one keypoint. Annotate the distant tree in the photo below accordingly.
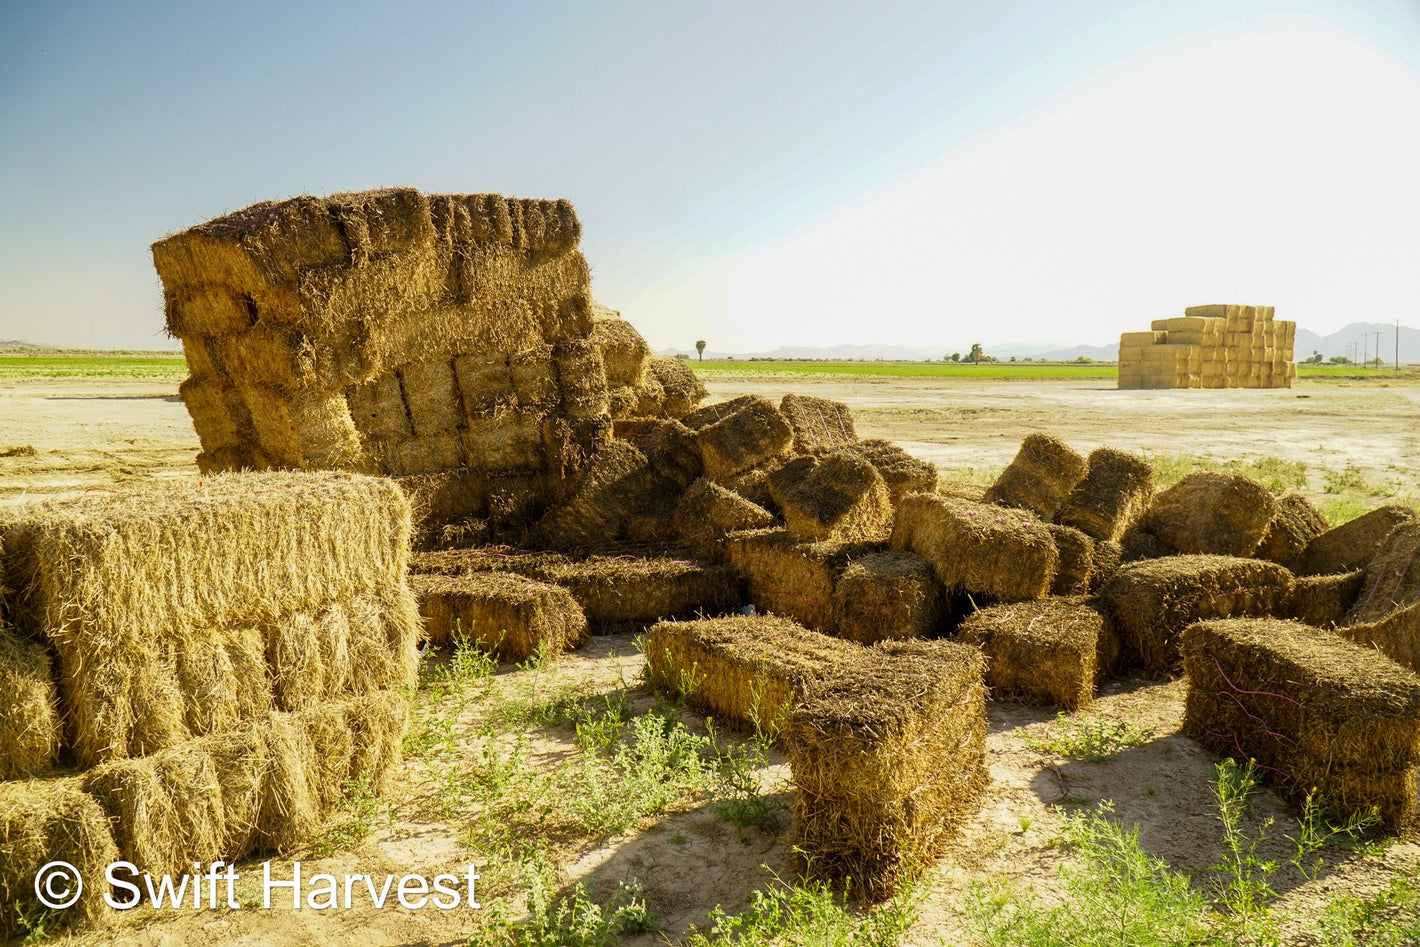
(1339, 360)
(1013, 358)
(976, 353)
(1316, 358)
(1084, 360)
(956, 356)
(700, 348)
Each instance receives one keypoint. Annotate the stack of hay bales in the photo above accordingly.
(223, 657)
(1217, 346)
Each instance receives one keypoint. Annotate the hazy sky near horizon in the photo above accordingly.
(754, 174)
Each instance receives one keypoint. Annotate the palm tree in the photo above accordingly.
(700, 349)
(976, 353)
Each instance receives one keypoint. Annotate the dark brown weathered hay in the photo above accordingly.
(819, 425)
(679, 390)
(624, 352)
(790, 577)
(46, 820)
(754, 485)
(148, 598)
(708, 511)
(1075, 565)
(671, 447)
(1052, 651)
(1296, 524)
(1116, 490)
(1212, 513)
(747, 670)
(508, 615)
(1323, 600)
(1392, 577)
(1314, 710)
(888, 754)
(618, 591)
(30, 716)
(1150, 603)
(1041, 478)
(887, 595)
(837, 496)
(746, 437)
(1353, 544)
(977, 547)
(1108, 556)
(1138, 543)
(902, 472)
(606, 492)
(1397, 635)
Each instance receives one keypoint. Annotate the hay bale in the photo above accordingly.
(745, 437)
(1212, 513)
(1108, 557)
(1052, 652)
(46, 820)
(1323, 600)
(838, 496)
(1396, 635)
(1354, 543)
(1392, 577)
(977, 547)
(679, 388)
(1297, 522)
(887, 595)
(529, 563)
(1075, 560)
(1041, 478)
(137, 592)
(624, 352)
(1315, 711)
(1138, 544)
(30, 716)
(505, 614)
(617, 591)
(671, 447)
(708, 511)
(819, 425)
(1152, 602)
(378, 410)
(888, 755)
(747, 670)
(581, 378)
(1115, 492)
(608, 489)
(791, 577)
(754, 485)
(432, 397)
(903, 473)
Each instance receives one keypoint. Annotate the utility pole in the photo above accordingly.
(1378, 348)
(1364, 342)
(1397, 345)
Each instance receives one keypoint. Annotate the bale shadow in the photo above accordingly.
(1004, 716)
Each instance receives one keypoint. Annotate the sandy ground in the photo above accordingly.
(103, 435)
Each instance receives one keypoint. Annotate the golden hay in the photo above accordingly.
(1108, 556)
(1041, 477)
(609, 489)
(581, 379)
(1392, 577)
(1212, 513)
(1075, 562)
(46, 820)
(378, 410)
(1315, 711)
(1397, 635)
(130, 589)
(621, 590)
(708, 511)
(30, 716)
(432, 398)
(505, 614)
(1150, 603)
(903, 473)
(819, 425)
(1052, 651)
(837, 496)
(749, 431)
(791, 577)
(754, 485)
(624, 352)
(977, 547)
(678, 390)
(888, 595)
(670, 446)
(1323, 600)
(888, 754)
(746, 670)
(529, 563)
(1297, 523)
(1115, 492)
(1353, 544)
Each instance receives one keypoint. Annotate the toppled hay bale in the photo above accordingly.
(616, 591)
(624, 352)
(46, 820)
(1052, 652)
(1397, 635)
(149, 599)
(903, 473)
(1315, 711)
(1212, 513)
(1108, 557)
(888, 755)
(1116, 490)
(747, 432)
(670, 446)
(754, 485)
(1041, 477)
(837, 496)
(819, 425)
(1296, 524)
(612, 486)
(1075, 563)
(1323, 600)
(1151, 603)
(674, 388)
(508, 615)
(1353, 544)
(977, 547)
(790, 577)
(1392, 577)
(30, 717)
(708, 511)
(888, 595)
(745, 669)
(1138, 544)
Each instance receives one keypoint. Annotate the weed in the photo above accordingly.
(1274, 473)
(659, 761)
(1090, 740)
(356, 821)
(1389, 918)
(1319, 825)
(35, 924)
(1246, 888)
(574, 919)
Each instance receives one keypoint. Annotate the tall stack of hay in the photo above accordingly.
(196, 672)
(1217, 346)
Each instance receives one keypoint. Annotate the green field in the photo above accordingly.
(994, 370)
(95, 365)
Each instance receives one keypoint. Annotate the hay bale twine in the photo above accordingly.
(1053, 652)
(1353, 544)
(505, 614)
(819, 425)
(1212, 513)
(1114, 493)
(978, 547)
(1296, 524)
(30, 715)
(1041, 478)
(887, 595)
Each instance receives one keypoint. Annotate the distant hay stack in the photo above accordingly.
(888, 755)
(1115, 492)
(978, 548)
(888, 595)
(1216, 346)
(1353, 544)
(1212, 513)
(502, 613)
(1315, 711)
(819, 425)
(1052, 651)
(1041, 477)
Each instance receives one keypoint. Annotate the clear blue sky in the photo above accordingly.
(754, 174)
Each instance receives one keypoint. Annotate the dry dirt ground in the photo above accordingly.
(106, 434)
